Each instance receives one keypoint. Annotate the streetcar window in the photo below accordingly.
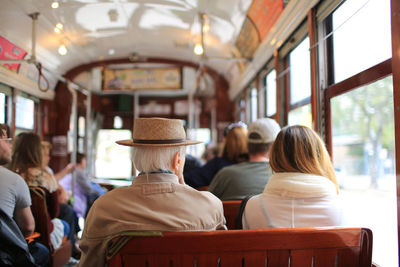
(113, 161)
(253, 104)
(2, 108)
(364, 158)
(301, 116)
(300, 79)
(362, 36)
(24, 113)
(270, 93)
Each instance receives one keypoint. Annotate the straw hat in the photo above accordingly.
(158, 132)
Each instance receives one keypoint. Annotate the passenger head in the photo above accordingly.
(81, 160)
(262, 134)
(158, 144)
(5, 145)
(27, 153)
(235, 143)
(300, 149)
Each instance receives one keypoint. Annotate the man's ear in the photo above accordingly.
(176, 161)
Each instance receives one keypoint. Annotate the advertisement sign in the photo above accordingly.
(142, 79)
(10, 51)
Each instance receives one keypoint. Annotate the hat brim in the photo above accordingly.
(131, 143)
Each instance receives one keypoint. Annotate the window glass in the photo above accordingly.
(118, 122)
(199, 134)
(300, 80)
(113, 160)
(24, 113)
(253, 104)
(364, 158)
(2, 108)
(270, 93)
(301, 116)
(362, 36)
(81, 126)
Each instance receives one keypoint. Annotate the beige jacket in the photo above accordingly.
(154, 202)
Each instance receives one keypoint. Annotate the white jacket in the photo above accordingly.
(294, 200)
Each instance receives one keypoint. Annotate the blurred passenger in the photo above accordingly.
(66, 212)
(27, 161)
(303, 191)
(210, 152)
(85, 192)
(192, 162)
(157, 200)
(15, 202)
(248, 178)
(234, 151)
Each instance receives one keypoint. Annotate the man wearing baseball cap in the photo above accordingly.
(248, 178)
(157, 200)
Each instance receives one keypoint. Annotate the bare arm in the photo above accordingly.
(68, 169)
(25, 220)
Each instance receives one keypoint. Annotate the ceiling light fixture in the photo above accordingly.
(62, 50)
(55, 4)
(58, 28)
(198, 49)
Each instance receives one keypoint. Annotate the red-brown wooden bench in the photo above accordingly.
(60, 256)
(231, 209)
(293, 247)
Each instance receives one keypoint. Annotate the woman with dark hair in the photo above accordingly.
(27, 161)
(234, 151)
(303, 191)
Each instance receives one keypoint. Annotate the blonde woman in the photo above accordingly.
(303, 191)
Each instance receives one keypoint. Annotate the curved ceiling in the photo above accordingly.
(96, 30)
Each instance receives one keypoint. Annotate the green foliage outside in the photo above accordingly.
(366, 115)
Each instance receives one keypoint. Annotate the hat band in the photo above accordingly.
(159, 142)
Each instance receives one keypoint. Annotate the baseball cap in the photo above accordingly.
(266, 128)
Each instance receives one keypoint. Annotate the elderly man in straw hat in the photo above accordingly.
(157, 200)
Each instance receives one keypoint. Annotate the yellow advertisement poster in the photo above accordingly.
(142, 79)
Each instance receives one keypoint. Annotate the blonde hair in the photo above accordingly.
(300, 149)
(148, 159)
(235, 145)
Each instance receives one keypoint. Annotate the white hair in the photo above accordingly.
(148, 159)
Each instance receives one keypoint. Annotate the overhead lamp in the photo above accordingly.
(58, 28)
(62, 50)
(55, 4)
(198, 49)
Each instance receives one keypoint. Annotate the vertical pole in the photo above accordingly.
(313, 57)
(74, 115)
(395, 15)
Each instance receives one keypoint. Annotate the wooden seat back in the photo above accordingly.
(60, 256)
(294, 247)
(231, 210)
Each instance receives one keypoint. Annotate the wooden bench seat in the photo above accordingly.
(231, 210)
(59, 257)
(325, 247)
